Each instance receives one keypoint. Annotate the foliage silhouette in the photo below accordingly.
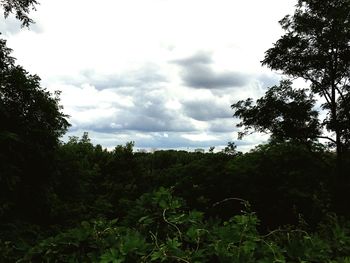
(284, 112)
(316, 48)
(31, 122)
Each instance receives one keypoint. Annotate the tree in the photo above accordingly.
(230, 149)
(31, 123)
(316, 47)
(284, 112)
(20, 8)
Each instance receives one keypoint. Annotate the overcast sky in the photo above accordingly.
(162, 73)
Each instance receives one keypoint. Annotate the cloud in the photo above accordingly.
(144, 105)
(198, 58)
(197, 72)
(207, 109)
(145, 76)
(152, 119)
(222, 125)
(109, 110)
(268, 80)
(201, 76)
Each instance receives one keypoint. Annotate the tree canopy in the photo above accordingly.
(316, 47)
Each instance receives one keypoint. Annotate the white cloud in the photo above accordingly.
(200, 137)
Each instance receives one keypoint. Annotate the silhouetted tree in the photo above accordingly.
(316, 48)
(31, 122)
(231, 149)
(284, 112)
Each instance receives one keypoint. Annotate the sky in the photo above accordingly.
(161, 73)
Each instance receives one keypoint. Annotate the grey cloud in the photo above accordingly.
(164, 123)
(267, 81)
(145, 77)
(198, 58)
(137, 123)
(207, 109)
(148, 114)
(198, 73)
(202, 76)
(222, 125)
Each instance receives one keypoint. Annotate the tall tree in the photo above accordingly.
(31, 122)
(316, 47)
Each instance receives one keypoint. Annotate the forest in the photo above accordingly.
(284, 201)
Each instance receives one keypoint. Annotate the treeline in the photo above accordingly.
(97, 201)
(281, 181)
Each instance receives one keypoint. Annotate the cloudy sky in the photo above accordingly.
(162, 73)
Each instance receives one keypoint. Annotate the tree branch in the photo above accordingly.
(326, 137)
(324, 91)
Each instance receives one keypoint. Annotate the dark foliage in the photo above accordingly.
(287, 114)
(316, 48)
(31, 123)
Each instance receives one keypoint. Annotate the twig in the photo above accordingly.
(230, 199)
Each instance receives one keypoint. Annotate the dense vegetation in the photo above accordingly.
(284, 201)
